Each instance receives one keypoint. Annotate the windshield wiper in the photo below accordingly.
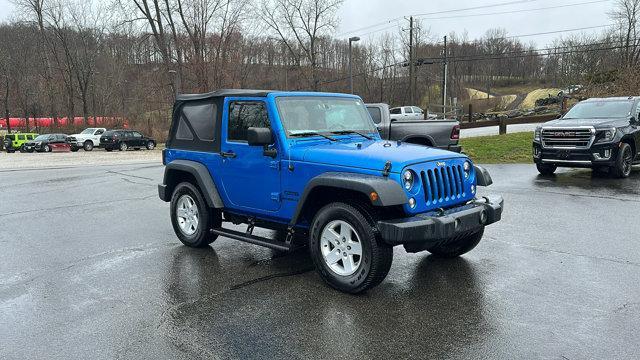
(312, 133)
(340, 132)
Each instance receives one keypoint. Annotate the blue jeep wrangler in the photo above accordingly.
(313, 166)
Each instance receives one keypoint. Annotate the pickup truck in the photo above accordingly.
(87, 139)
(312, 166)
(443, 134)
(406, 113)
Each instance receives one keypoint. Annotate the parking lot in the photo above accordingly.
(90, 268)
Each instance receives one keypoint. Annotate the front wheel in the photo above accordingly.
(47, 148)
(191, 217)
(123, 146)
(345, 249)
(459, 246)
(151, 145)
(88, 145)
(622, 168)
(546, 169)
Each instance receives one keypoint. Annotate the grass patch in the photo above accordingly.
(497, 149)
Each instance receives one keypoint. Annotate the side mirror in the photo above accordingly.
(633, 120)
(259, 136)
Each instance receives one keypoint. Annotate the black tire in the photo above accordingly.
(376, 258)
(208, 217)
(74, 149)
(546, 169)
(88, 145)
(22, 149)
(123, 146)
(457, 247)
(624, 161)
(151, 145)
(108, 149)
(47, 148)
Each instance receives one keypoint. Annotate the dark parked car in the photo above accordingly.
(48, 143)
(602, 134)
(126, 139)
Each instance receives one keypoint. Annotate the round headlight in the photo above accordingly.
(408, 179)
(466, 166)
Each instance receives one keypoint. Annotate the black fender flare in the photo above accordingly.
(199, 172)
(389, 192)
(482, 176)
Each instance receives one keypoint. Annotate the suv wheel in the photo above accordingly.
(123, 146)
(546, 169)
(457, 247)
(346, 250)
(88, 145)
(151, 145)
(622, 169)
(191, 217)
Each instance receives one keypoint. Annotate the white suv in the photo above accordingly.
(87, 139)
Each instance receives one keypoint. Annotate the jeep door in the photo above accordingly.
(250, 179)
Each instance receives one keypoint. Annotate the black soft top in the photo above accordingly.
(223, 93)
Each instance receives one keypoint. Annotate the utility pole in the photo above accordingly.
(444, 77)
(351, 39)
(411, 62)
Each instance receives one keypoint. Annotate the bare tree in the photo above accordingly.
(626, 15)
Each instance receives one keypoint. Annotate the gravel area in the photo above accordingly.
(81, 158)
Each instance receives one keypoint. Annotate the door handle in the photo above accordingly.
(228, 154)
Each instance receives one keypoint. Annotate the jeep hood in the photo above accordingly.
(369, 155)
(598, 123)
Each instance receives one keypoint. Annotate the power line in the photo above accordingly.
(437, 12)
(515, 11)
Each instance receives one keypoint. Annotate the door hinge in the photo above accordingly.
(275, 196)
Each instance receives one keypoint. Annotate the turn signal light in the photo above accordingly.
(373, 196)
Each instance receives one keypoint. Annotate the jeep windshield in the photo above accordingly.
(317, 116)
(599, 110)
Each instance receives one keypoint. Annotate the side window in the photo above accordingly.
(29, 137)
(137, 135)
(417, 110)
(375, 113)
(20, 137)
(407, 110)
(395, 111)
(99, 132)
(243, 115)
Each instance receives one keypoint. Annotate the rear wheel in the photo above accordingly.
(622, 168)
(151, 145)
(191, 217)
(546, 169)
(457, 247)
(88, 145)
(346, 250)
(123, 146)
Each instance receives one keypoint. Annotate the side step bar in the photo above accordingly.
(252, 239)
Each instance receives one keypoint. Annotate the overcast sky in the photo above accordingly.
(356, 14)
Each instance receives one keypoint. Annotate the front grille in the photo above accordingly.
(567, 138)
(443, 183)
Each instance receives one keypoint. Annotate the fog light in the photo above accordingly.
(603, 155)
(412, 202)
(483, 217)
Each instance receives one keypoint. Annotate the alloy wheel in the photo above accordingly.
(187, 215)
(341, 247)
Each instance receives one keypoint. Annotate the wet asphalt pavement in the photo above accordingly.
(90, 268)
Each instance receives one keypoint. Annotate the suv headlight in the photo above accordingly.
(608, 135)
(467, 169)
(536, 134)
(408, 179)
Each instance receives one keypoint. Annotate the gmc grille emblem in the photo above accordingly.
(564, 133)
(440, 163)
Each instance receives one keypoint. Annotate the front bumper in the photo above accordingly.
(424, 230)
(604, 154)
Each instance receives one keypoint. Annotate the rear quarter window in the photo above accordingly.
(376, 114)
